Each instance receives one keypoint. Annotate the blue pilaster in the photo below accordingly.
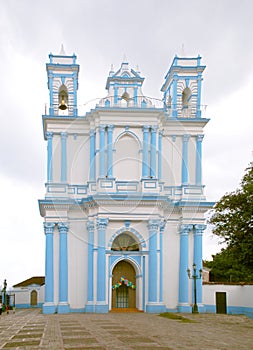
(90, 305)
(135, 95)
(153, 152)
(160, 155)
(154, 305)
(199, 140)
(49, 136)
(102, 151)
(174, 96)
(75, 83)
(64, 156)
(198, 112)
(162, 227)
(49, 306)
(92, 155)
(197, 257)
(145, 167)
(183, 298)
(63, 306)
(185, 159)
(116, 95)
(102, 305)
(109, 151)
(50, 86)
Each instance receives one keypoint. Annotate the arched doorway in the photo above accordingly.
(123, 286)
(34, 298)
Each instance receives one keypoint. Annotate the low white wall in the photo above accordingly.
(23, 296)
(239, 297)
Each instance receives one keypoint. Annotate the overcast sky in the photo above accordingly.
(149, 33)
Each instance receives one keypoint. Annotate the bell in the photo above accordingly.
(63, 105)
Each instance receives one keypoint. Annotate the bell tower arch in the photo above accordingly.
(62, 72)
(182, 87)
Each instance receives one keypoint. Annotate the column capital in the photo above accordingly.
(185, 229)
(102, 224)
(199, 228)
(92, 132)
(186, 137)
(200, 137)
(110, 127)
(145, 128)
(153, 225)
(49, 227)
(64, 134)
(63, 227)
(162, 226)
(49, 135)
(161, 132)
(90, 226)
(154, 128)
(102, 127)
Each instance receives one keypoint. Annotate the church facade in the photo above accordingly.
(124, 204)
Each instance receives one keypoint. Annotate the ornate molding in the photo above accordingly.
(63, 227)
(199, 228)
(199, 137)
(186, 137)
(102, 224)
(153, 225)
(185, 229)
(49, 135)
(90, 226)
(49, 227)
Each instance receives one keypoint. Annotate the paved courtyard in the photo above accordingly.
(29, 329)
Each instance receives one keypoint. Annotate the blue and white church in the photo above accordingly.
(124, 200)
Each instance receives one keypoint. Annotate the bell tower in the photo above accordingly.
(62, 72)
(182, 87)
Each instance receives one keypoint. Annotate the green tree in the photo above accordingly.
(232, 220)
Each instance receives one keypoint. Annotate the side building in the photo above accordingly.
(124, 203)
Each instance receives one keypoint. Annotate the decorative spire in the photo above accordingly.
(62, 52)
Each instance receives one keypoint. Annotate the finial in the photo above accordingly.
(182, 51)
(62, 52)
(124, 58)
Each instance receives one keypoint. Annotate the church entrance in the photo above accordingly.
(123, 286)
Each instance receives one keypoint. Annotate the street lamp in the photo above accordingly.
(195, 277)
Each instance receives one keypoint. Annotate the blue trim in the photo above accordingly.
(46, 309)
(197, 258)
(155, 309)
(185, 160)
(101, 309)
(143, 282)
(49, 136)
(199, 159)
(101, 260)
(63, 308)
(160, 156)
(63, 266)
(49, 268)
(174, 97)
(64, 156)
(102, 151)
(145, 167)
(183, 265)
(80, 310)
(92, 155)
(109, 149)
(90, 227)
(153, 152)
(153, 226)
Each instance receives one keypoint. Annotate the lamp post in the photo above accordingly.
(194, 276)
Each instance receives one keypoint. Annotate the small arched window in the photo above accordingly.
(186, 96)
(63, 98)
(125, 242)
